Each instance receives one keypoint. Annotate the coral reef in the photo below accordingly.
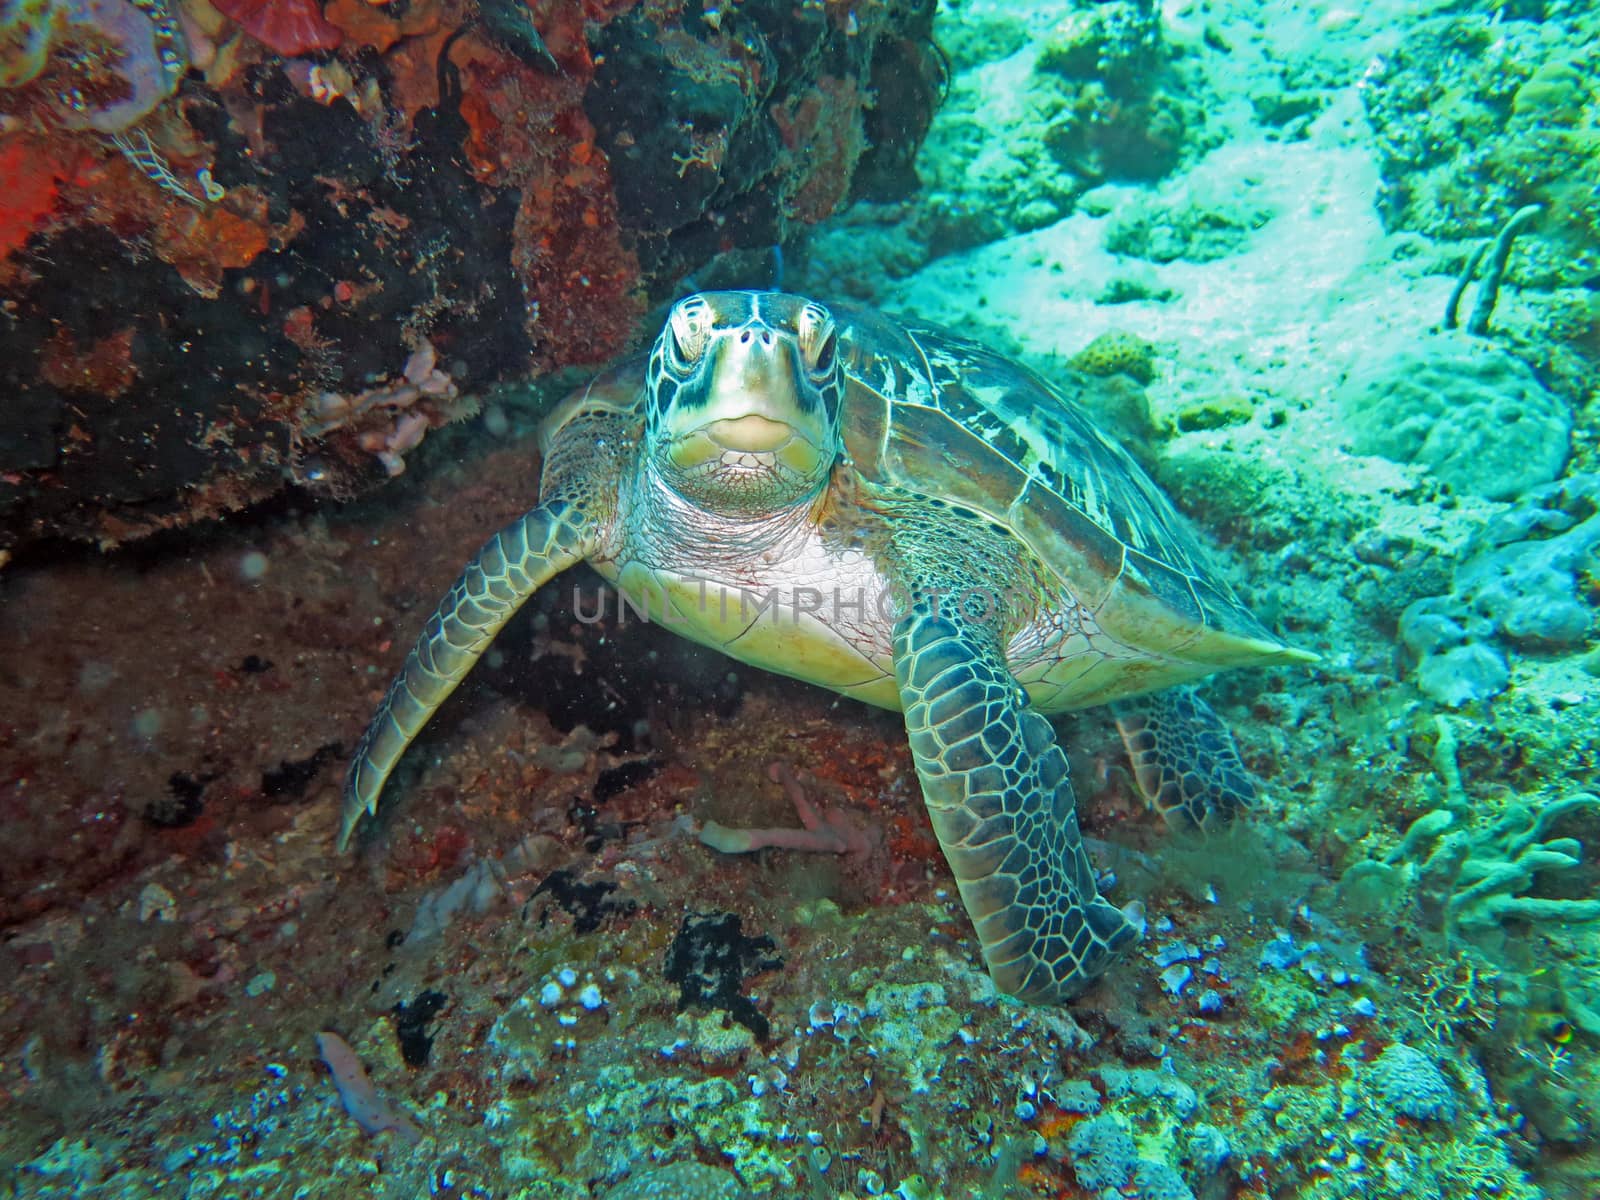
(1481, 122)
(1199, 221)
(1119, 122)
(1097, 95)
(604, 1006)
(1523, 584)
(1475, 416)
(1103, 1154)
(1476, 117)
(1385, 983)
(680, 1181)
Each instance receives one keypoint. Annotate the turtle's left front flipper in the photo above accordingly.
(511, 566)
(1001, 803)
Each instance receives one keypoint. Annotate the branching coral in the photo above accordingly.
(827, 831)
(1479, 881)
(1478, 322)
(1475, 882)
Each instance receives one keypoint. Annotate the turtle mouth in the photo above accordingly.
(751, 434)
(742, 447)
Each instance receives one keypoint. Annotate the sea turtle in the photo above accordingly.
(897, 513)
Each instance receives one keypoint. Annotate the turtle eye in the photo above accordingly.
(819, 340)
(688, 330)
(826, 354)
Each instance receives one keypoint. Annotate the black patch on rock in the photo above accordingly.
(586, 903)
(613, 781)
(596, 830)
(649, 673)
(289, 780)
(709, 960)
(182, 806)
(411, 1026)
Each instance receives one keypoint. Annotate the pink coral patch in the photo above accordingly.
(289, 27)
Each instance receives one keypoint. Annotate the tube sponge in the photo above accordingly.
(1103, 1155)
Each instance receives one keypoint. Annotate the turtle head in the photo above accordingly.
(744, 395)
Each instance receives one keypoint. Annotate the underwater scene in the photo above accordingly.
(697, 599)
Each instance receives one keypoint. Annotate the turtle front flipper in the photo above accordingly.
(998, 794)
(511, 566)
(1185, 761)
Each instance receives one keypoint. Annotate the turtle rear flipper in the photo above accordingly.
(1001, 803)
(511, 566)
(1185, 761)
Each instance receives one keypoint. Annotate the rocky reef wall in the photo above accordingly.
(249, 245)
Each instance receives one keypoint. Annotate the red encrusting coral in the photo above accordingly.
(529, 130)
(105, 367)
(582, 282)
(289, 27)
(200, 243)
(201, 246)
(32, 173)
(365, 24)
(29, 197)
(822, 131)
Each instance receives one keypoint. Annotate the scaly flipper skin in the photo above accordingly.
(512, 565)
(998, 794)
(1184, 759)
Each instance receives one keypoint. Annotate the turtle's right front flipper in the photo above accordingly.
(1184, 759)
(512, 565)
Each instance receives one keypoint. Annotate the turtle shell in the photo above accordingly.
(937, 414)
